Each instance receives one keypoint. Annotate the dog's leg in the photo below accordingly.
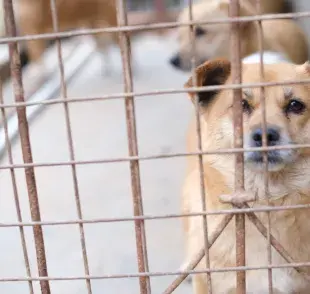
(103, 44)
(106, 65)
(134, 65)
(199, 284)
(37, 68)
(35, 49)
(186, 227)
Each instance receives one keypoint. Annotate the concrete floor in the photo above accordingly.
(99, 131)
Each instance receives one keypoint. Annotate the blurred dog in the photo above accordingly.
(35, 17)
(213, 40)
(288, 122)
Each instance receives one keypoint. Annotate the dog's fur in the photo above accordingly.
(269, 57)
(34, 17)
(288, 176)
(213, 40)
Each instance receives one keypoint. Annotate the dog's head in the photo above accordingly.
(287, 111)
(211, 40)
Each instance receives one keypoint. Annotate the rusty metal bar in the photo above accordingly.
(260, 36)
(124, 41)
(155, 92)
(15, 192)
(156, 217)
(160, 9)
(199, 145)
(157, 26)
(70, 145)
(155, 156)
(238, 142)
(25, 145)
(157, 274)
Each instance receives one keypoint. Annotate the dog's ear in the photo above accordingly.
(211, 73)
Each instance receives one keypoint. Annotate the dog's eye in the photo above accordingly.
(295, 106)
(199, 31)
(246, 106)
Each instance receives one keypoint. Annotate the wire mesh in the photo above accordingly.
(134, 158)
(70, 144)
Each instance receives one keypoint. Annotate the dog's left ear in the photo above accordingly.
(211, 73)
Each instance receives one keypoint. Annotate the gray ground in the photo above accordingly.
(99, 131)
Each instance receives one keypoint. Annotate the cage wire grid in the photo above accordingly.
(238, 212)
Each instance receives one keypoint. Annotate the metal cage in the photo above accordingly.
(239, 213)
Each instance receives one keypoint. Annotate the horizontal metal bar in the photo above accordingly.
(157, 26)
(156, 273)
(157, 92)
(152, 157)
(157, 216)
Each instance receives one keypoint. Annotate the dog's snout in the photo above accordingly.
(273, 137)
(176, 61)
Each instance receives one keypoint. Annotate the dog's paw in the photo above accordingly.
(238, 198)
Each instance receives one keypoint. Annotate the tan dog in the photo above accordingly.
(34, 17)
(288, 122)
(213, 40)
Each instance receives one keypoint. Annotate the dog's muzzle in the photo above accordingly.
(274, 138)
(176, 61)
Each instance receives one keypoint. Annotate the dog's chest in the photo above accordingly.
(292, 230)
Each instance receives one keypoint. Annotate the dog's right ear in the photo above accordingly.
(211, 73)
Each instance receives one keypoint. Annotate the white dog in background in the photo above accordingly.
(269, 57)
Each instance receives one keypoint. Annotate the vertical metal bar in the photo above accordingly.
(200, 157)
(238, 143)
(265, 154)
(15, 191)
(70, 143)
(25, 145)
(160, 9)
(160, 6)
(145, 286)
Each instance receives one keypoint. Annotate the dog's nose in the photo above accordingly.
(176, 61)
(273, 137)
